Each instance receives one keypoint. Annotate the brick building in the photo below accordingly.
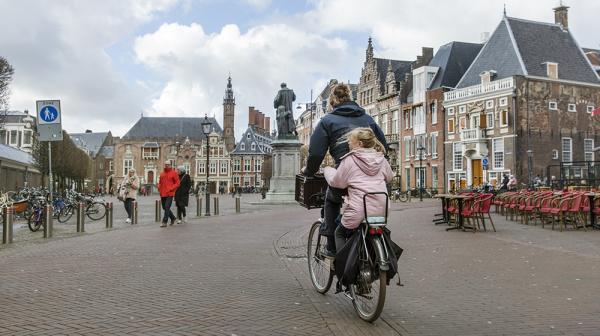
(524, 104)
(423, 115)
(99, 147)
(251, 152)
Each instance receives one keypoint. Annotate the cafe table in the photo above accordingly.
(592, 197)
(446, 199)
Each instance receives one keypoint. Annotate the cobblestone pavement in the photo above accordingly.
(246, 275)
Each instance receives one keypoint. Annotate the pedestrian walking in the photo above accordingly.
(128, 192)
(345, 116)
(182, 195)
(512, 183)
(167, 185)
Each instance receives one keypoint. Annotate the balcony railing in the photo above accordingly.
(498, 85)
(474, 134)
(390, 138)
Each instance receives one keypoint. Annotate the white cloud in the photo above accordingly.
(258, 4)
(58, 50)
(197, 64)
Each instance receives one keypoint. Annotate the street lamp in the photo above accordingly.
(421, 149)
(529, 168)
(206, 127)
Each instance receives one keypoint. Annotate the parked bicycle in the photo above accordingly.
(398, 195)
(95, 209)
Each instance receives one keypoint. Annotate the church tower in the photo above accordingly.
(229, 117)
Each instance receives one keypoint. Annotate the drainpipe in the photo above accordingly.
(514, 109)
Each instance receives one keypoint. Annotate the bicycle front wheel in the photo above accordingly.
(368, 293)
(96, 211)
(35, 221)
(65, 214)
(319, 267)
(403, 197)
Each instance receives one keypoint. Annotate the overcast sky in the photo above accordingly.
(110, 61)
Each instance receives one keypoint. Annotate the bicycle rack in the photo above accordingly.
(7, 225)
(109, 215)
(80, 217)
(48, 226)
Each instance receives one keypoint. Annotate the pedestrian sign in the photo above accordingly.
(484, 162)
(48, 111)
(49, 120)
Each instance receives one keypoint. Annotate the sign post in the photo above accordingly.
(49, 126)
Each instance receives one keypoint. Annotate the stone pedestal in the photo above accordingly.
(286, 164)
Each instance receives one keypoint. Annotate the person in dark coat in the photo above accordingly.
(182, 195)
(329, 135)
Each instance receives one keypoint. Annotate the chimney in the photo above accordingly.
(268, 125)
(251, 115)
(88, 131)
(561, 15)
(485, 36)
(427, 53)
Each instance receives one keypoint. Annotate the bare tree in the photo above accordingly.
(6, 73)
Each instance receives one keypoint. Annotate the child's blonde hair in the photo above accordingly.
(367, 137)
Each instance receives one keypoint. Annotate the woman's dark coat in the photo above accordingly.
(182, 195)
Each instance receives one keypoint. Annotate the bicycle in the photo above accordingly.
(37, 218)
(368, 291)
(402, 196)
(95, 210)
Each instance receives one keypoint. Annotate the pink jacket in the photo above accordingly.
(361, 171)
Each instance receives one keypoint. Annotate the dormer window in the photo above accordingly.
(552, 70)
(243, 146)
(247, 135)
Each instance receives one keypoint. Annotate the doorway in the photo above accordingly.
(150, 179)
(477, 172)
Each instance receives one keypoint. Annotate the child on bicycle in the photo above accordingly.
(363, 170)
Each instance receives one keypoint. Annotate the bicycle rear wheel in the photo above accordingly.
(368, 293)
(96, 211)
(319, 267)
(36, 220)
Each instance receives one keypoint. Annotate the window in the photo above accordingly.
(247, 166)
(552, 70)
(27, 137)
(462, 109)
(434, 145)
(572, 108)
(489, 120)
(100, 165)
(407, 179)
(236, 165)
(451, 125)
(489, 104)
(395, 122)
(150, 153)
(127, 164)
(498, 148)
(588, 149)
(213, 167)
(247, 135)
(555, 154)
(14, 137)
(503, 118)
(236, 180)
(407, 148)
(462, 123)
(552, 106)
(257, 165)
(242, 146)
(224, 166)
(253, 146)
(111, 166)
(186, 167)
(384, 124)
(420, 175)
(434, 177)
(200, 167)
(590, 109)
(406, 119)
(503, 101)
(433, 109)
(451, 111)
(457, 155)
(567, 149)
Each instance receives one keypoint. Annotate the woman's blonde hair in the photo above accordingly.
(367, 137)
(340, 93)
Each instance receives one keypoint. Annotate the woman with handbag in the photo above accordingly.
(128, 192)
(182, 194)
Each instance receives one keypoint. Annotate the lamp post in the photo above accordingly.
(529, 168)
(312, 110)
(206, 127)
(421, 149)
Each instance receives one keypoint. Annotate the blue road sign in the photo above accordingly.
(48, 113)
(485, 161)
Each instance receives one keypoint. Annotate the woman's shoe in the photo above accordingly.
(179, 221)
(128, 220)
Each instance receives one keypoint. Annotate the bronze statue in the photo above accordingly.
(286, 127)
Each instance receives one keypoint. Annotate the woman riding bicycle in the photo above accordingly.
(329, 133)
(363, 170)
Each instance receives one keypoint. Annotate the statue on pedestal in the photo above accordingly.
(286, 127)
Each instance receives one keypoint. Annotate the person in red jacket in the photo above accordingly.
(167, 185)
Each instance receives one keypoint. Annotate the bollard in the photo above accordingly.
(134, 220)
(7, 225)
(237, 204)
(80, 217)
(198, 206)
(215, 206)
(109, 215)
(48, 224)
(157, 206)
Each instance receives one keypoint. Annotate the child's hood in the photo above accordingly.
(368, 160)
